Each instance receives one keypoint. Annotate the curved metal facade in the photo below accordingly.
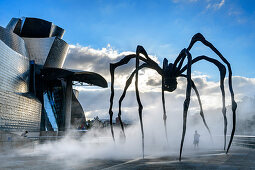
(57, 54)
(19, 112)
(14, 25)
(77, 115)
(50, 52)
(30, 48)
(35, 28)
(39, 48)
(56, 31)
(13, 41)
(14, 70)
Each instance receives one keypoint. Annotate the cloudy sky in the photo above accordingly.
(101, 32)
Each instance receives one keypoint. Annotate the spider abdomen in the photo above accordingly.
(169, 83)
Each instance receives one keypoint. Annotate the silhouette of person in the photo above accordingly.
(196, 139)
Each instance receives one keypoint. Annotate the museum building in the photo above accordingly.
(36, 93)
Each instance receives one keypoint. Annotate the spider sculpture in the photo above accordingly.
(169, 74)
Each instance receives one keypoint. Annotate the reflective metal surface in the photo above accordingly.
(14, 70)
(35, 28)
(18, 112)
(28, 46)
(13, 41)
(14, 25)
(50, 52)
(57, 54)
(56, 31)
(39, 48)
(77, 115)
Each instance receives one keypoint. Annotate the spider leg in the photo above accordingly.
(113, 66)
(138, 96)
(200, 37)
(187, 100)
(181, 57)
(128, 82)
(222, 70)
(165, 64)
(180, 64)
(200, 103)
(164, 111)
(155, 66)
(152, 63)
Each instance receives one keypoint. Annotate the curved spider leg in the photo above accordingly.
(181, 57)
(165, 64)
(113, 66)
(164, 111)
(180, 64)
(200, 104)
(155, 66)
(140, 109)
(128, 82)
(187, 100)
(200, 37)
(222, 70)
(152, 63)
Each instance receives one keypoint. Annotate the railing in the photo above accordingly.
(245, 141)
(54, 135)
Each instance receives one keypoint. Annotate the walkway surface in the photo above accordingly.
(238, 158)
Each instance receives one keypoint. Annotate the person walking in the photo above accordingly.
(196, 139)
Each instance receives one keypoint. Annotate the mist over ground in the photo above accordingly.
(98, 144)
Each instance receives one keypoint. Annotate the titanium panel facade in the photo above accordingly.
(34, 28)
(56, 31)
(50, 52)
(29, 100)
(14, 25)
(13, 41)
(18, 112)
(14, 70)
(39, 48)
(77, 115)
(57, 54)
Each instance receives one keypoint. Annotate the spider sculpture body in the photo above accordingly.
(169, 74)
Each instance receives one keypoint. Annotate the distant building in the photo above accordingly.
(97, 123)
(35, 91)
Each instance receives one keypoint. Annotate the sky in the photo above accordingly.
(164, 28)
(102, 32)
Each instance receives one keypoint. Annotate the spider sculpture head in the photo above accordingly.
(169, 82)
(169, 73)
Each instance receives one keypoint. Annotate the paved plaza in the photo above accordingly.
(238, 158)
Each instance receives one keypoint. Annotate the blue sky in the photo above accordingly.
(164, 28)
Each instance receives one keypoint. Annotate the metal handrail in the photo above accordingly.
(244, 140)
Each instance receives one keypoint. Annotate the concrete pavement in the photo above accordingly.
(238, 158)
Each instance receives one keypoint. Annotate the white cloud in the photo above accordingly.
(210, 4)
(215, 5)
(221, 3)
